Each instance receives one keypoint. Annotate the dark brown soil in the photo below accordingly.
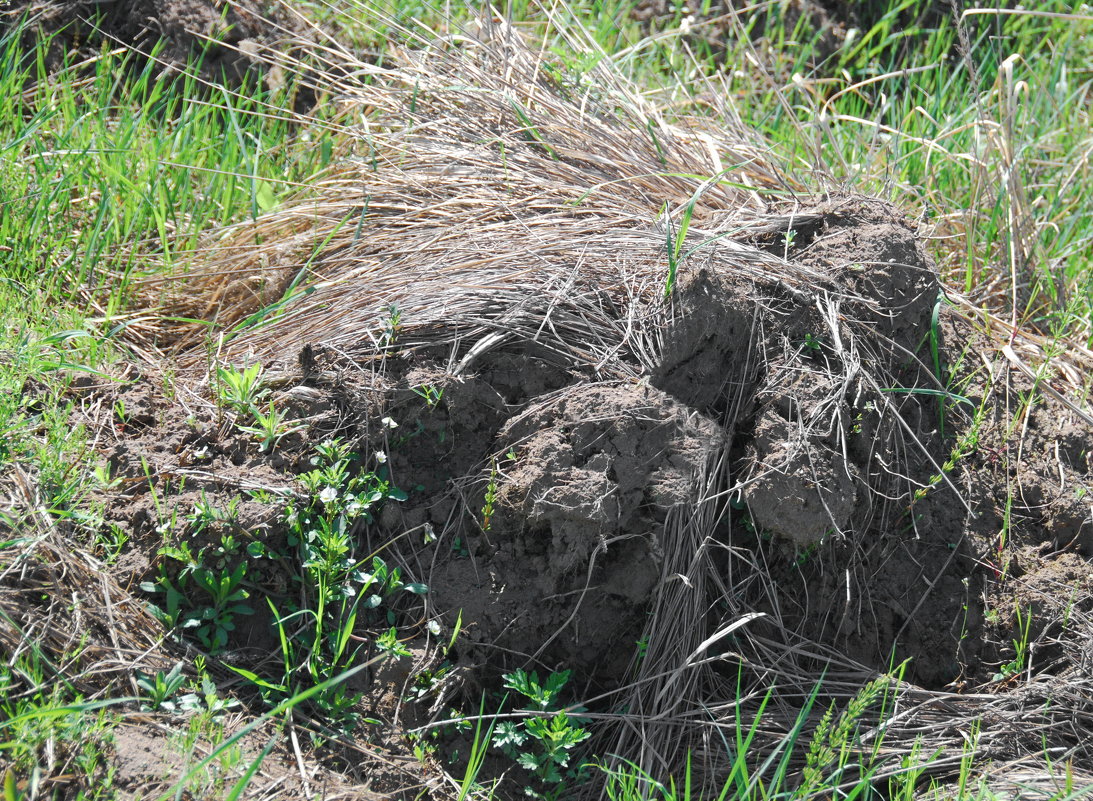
(564, 567)
(228, 36)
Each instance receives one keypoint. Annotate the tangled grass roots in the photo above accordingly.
(499, 207)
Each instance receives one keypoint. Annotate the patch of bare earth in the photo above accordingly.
(231, 40)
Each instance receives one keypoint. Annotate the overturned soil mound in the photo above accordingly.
(686, 438)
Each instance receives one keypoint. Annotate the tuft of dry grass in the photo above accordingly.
(58, 603)
(473, 183)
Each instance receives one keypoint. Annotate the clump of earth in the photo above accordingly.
(554, 491)
(231, 40)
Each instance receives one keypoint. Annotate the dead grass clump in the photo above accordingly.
(59, 607)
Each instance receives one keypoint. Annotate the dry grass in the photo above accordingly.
(59, 605)
(474, 184)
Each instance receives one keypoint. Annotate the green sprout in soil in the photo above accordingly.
(543, 743)
(339, 592)
(1021, 648)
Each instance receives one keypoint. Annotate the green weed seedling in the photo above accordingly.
(804, 555)
(432, 395)
(211, 616)
(120, 414)
(392, 324)
(103, 479)
(205, 514)
(270, 427)
(1020, 645)
(241, 390)
(543, 743)
(111, 538)
(160, 690)
(214, 621)
(490, 500)
(383, 583)
(318, 633)
(426, 682)
(388, 643)
(199, 598)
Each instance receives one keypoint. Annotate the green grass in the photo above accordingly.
(106, 176)
(106, 171)
(984, 129)
(39, 340)
(47, 731)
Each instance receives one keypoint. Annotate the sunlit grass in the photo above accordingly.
(107, 164)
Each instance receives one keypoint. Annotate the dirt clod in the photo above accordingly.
(569, 556)
(230, 37)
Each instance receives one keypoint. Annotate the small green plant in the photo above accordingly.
(120, 413)
(432, 395)
(479, 749)
(313, 651)
(490, 500)
(1020, 646)
(200, 599)
(209, 698)
(804, 555)
(392, 325)
(542, 696)
(426, 682)
(339, 591)
(790, 237)
(111, 538)
(383, 583)
(103, 479)
(675, 239)
(160, 689)
(388, 643)
(967, 444)
(265, 496)
(241, 390)
(543, 743)
(833, 746)
(270, 427)
(216, 620)
(205, 513)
